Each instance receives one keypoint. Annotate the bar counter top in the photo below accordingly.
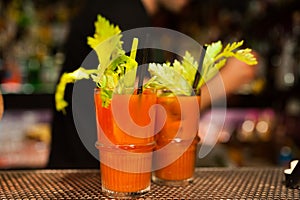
(209, 183)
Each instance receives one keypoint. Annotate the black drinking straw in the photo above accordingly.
(198, 75)
(142, 71)
(143, 67)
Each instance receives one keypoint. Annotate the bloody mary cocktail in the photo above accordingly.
(125, 142)
(177, 140)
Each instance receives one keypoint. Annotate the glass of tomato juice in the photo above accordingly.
(125, 131)
(177, 137)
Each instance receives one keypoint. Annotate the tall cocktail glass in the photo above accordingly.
(176, 142)
(125, 142)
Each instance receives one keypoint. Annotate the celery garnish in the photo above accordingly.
(216, 57)
(115, 71)
(66, 78)
(180, 75)
(164, 75)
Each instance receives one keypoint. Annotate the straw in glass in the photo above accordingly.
(142, 71)
(198, 72)
(143, 67)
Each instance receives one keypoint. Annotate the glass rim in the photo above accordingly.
(176, 91)
(127, 90)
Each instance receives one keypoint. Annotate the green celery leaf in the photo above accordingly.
(106, 41)
(66, 78)
(113, 67)
(165, 76)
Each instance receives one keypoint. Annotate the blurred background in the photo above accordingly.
(263, 117)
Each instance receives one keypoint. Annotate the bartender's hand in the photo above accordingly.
(1, 105)
(234, 74)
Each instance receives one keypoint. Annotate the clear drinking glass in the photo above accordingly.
(176, 141)
(126, 142)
